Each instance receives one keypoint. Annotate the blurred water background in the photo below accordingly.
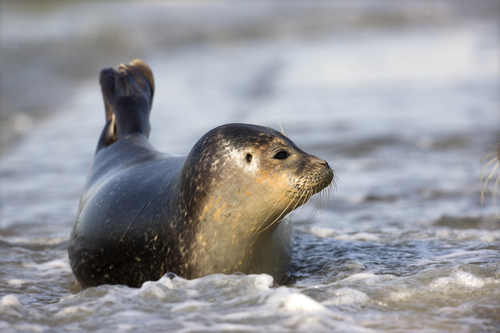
(403, 98)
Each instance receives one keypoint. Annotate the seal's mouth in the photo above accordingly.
(323, 182)
(313, 183)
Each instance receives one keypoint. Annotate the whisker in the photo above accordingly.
(301, 199)
(276, 219)
(305, 196)
(270, 213)
(316, 207)
(272, 210)
(486, 168)
(321, 198)
(491, 170)
(282, 130)
(272, 132)
(495, 194)
(324, 197)
(487, 180)
(487, 156)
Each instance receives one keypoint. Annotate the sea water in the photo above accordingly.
(403, 244)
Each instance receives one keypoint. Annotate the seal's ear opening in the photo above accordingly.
(249, 157)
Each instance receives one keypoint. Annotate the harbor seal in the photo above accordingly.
(220, 209)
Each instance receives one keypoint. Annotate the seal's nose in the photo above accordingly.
(325, 163)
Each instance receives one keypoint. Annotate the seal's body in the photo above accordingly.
(221, 209)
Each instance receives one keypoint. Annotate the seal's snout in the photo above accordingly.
(325, 163)
(324, 174)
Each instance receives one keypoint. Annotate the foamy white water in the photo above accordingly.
(403, 246)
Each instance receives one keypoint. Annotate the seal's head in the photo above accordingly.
(238, 183)
(250, 171)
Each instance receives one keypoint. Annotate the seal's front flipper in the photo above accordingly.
(128, 95)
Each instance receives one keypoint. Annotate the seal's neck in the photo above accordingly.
(227, 241)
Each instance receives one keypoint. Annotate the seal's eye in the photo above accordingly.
(281, 155)
(249, 158)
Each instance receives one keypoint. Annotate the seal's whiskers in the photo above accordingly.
(277, 218)
(490, 175)
(322, 199)
(271, 212)
(305, 200)
(282, 130)
(491, 168)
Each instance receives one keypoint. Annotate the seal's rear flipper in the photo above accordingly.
(128, 95)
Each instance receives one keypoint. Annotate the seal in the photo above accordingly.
(221, 209)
